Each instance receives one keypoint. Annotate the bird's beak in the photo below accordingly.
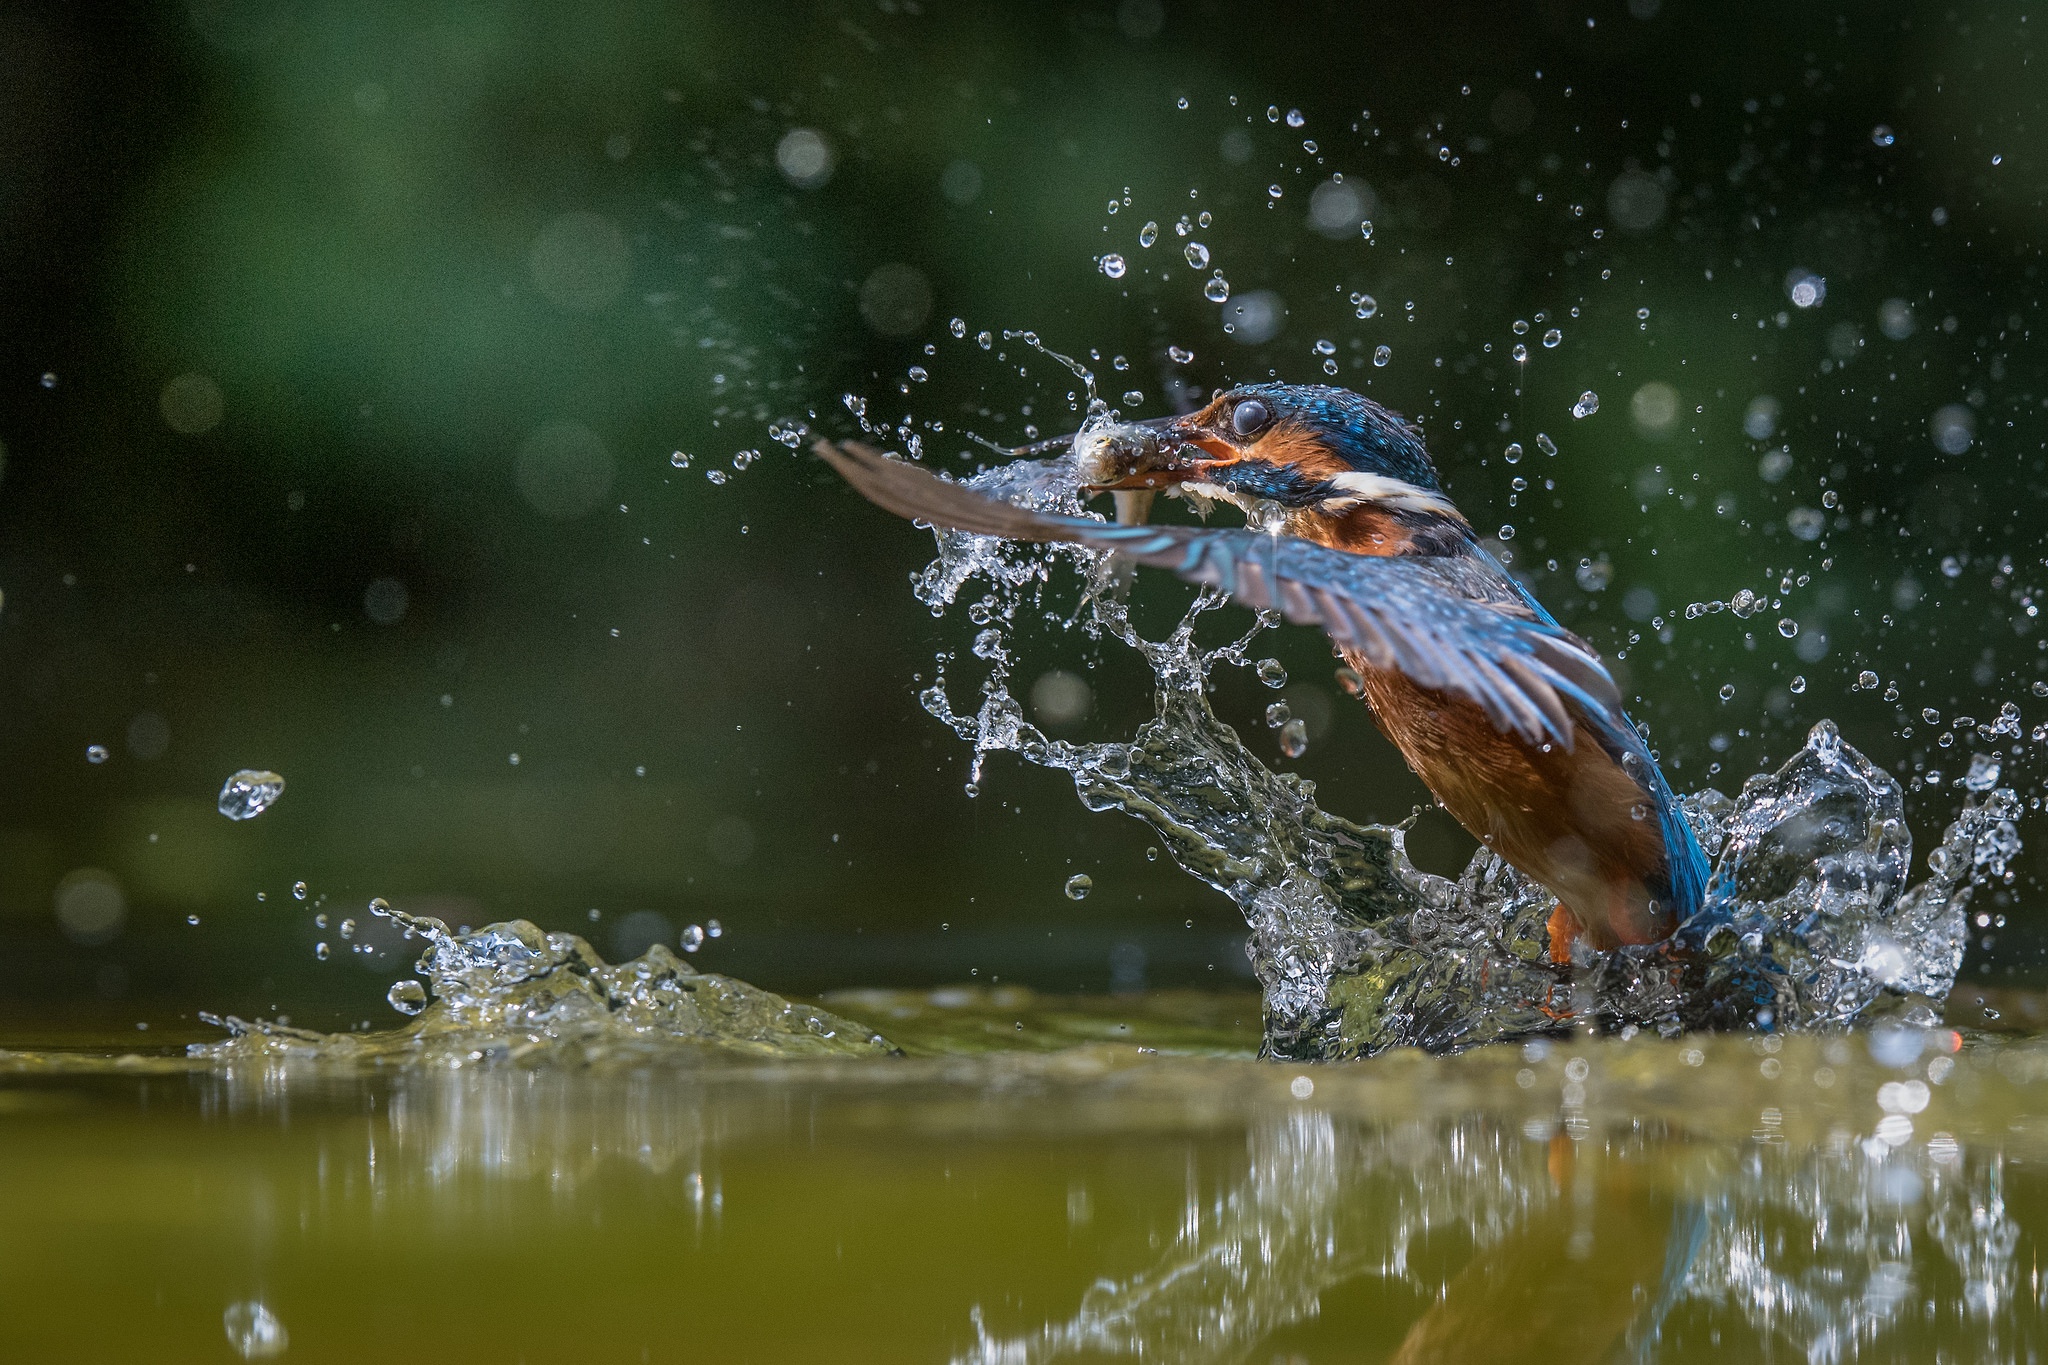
(1134, 461)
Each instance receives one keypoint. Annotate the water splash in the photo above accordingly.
(1808, 920)
(510, 991)
(249, 793)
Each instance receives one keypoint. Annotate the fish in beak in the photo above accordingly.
(1133, 461)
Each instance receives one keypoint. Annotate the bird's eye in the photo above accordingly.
(1250, 417)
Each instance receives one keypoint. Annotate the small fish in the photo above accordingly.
(1131, 461)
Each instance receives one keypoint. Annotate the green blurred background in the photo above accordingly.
(350, 350)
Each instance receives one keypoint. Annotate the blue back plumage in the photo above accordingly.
(1361, 432)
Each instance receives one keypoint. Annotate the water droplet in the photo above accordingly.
(918, 374)
(1513, 454)
(1867, 680)
(984, 340)
(1787, 627)
(322, 951)
(1294, 738)
(1930, 715)
(1179, 355)
(1507, 532)
(348, 928)
(1551, 338)
(958, 327)
(1079, 885)
(1883, 136)
(49, 379)
(95, 753)
(1325, 346)
(693, 937)
(1295, 119)
(1277, 715)
(1641, 810)
(1366, 305)
(1797, 685)
(254, 1331)
(1113, 266)
(1148, 234)
(717, 477)
(1198, 255)
(1152, 853)
(249, 793)
(1588, 404)
(1382, 354)
(1727, 691)
(1545, 444)
(1216, 290)
(1133, 397)
(1365, 228)
(713, 929)
(299, 890)
(679, 460)
(1520, 327)
(1520, 353)
(1805, 289)
(407, 997)
(1273, 191)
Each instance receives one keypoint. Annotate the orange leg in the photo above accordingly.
(1564, 931)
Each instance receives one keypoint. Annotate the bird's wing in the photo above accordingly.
(1433, 619)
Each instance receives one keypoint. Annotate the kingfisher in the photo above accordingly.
(1512, 721)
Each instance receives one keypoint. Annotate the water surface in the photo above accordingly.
(1117, 1178)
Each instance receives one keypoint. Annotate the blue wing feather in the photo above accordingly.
(1459, 624)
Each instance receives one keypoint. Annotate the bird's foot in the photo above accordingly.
(1564, 932)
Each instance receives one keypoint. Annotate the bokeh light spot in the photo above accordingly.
(385, 601)
(580, 261)
(192, 404)
(896, 299)
(1060, 697)
(1654, 409)
(563, 469)
(1337, 207)
(1635, 201)
(1953, 427)
(1256, 317)
(90, 906)
(804, 158)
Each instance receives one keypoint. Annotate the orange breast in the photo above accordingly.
(1574, 821)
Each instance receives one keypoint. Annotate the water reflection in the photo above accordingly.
(1582, 1250)
(1819, 1200)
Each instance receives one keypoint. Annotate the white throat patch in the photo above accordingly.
(1356, 489)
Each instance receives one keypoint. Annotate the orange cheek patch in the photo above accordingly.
(1292, 445)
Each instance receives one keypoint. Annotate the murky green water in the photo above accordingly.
(1115, 1179)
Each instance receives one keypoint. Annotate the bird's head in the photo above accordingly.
(1343, 469)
